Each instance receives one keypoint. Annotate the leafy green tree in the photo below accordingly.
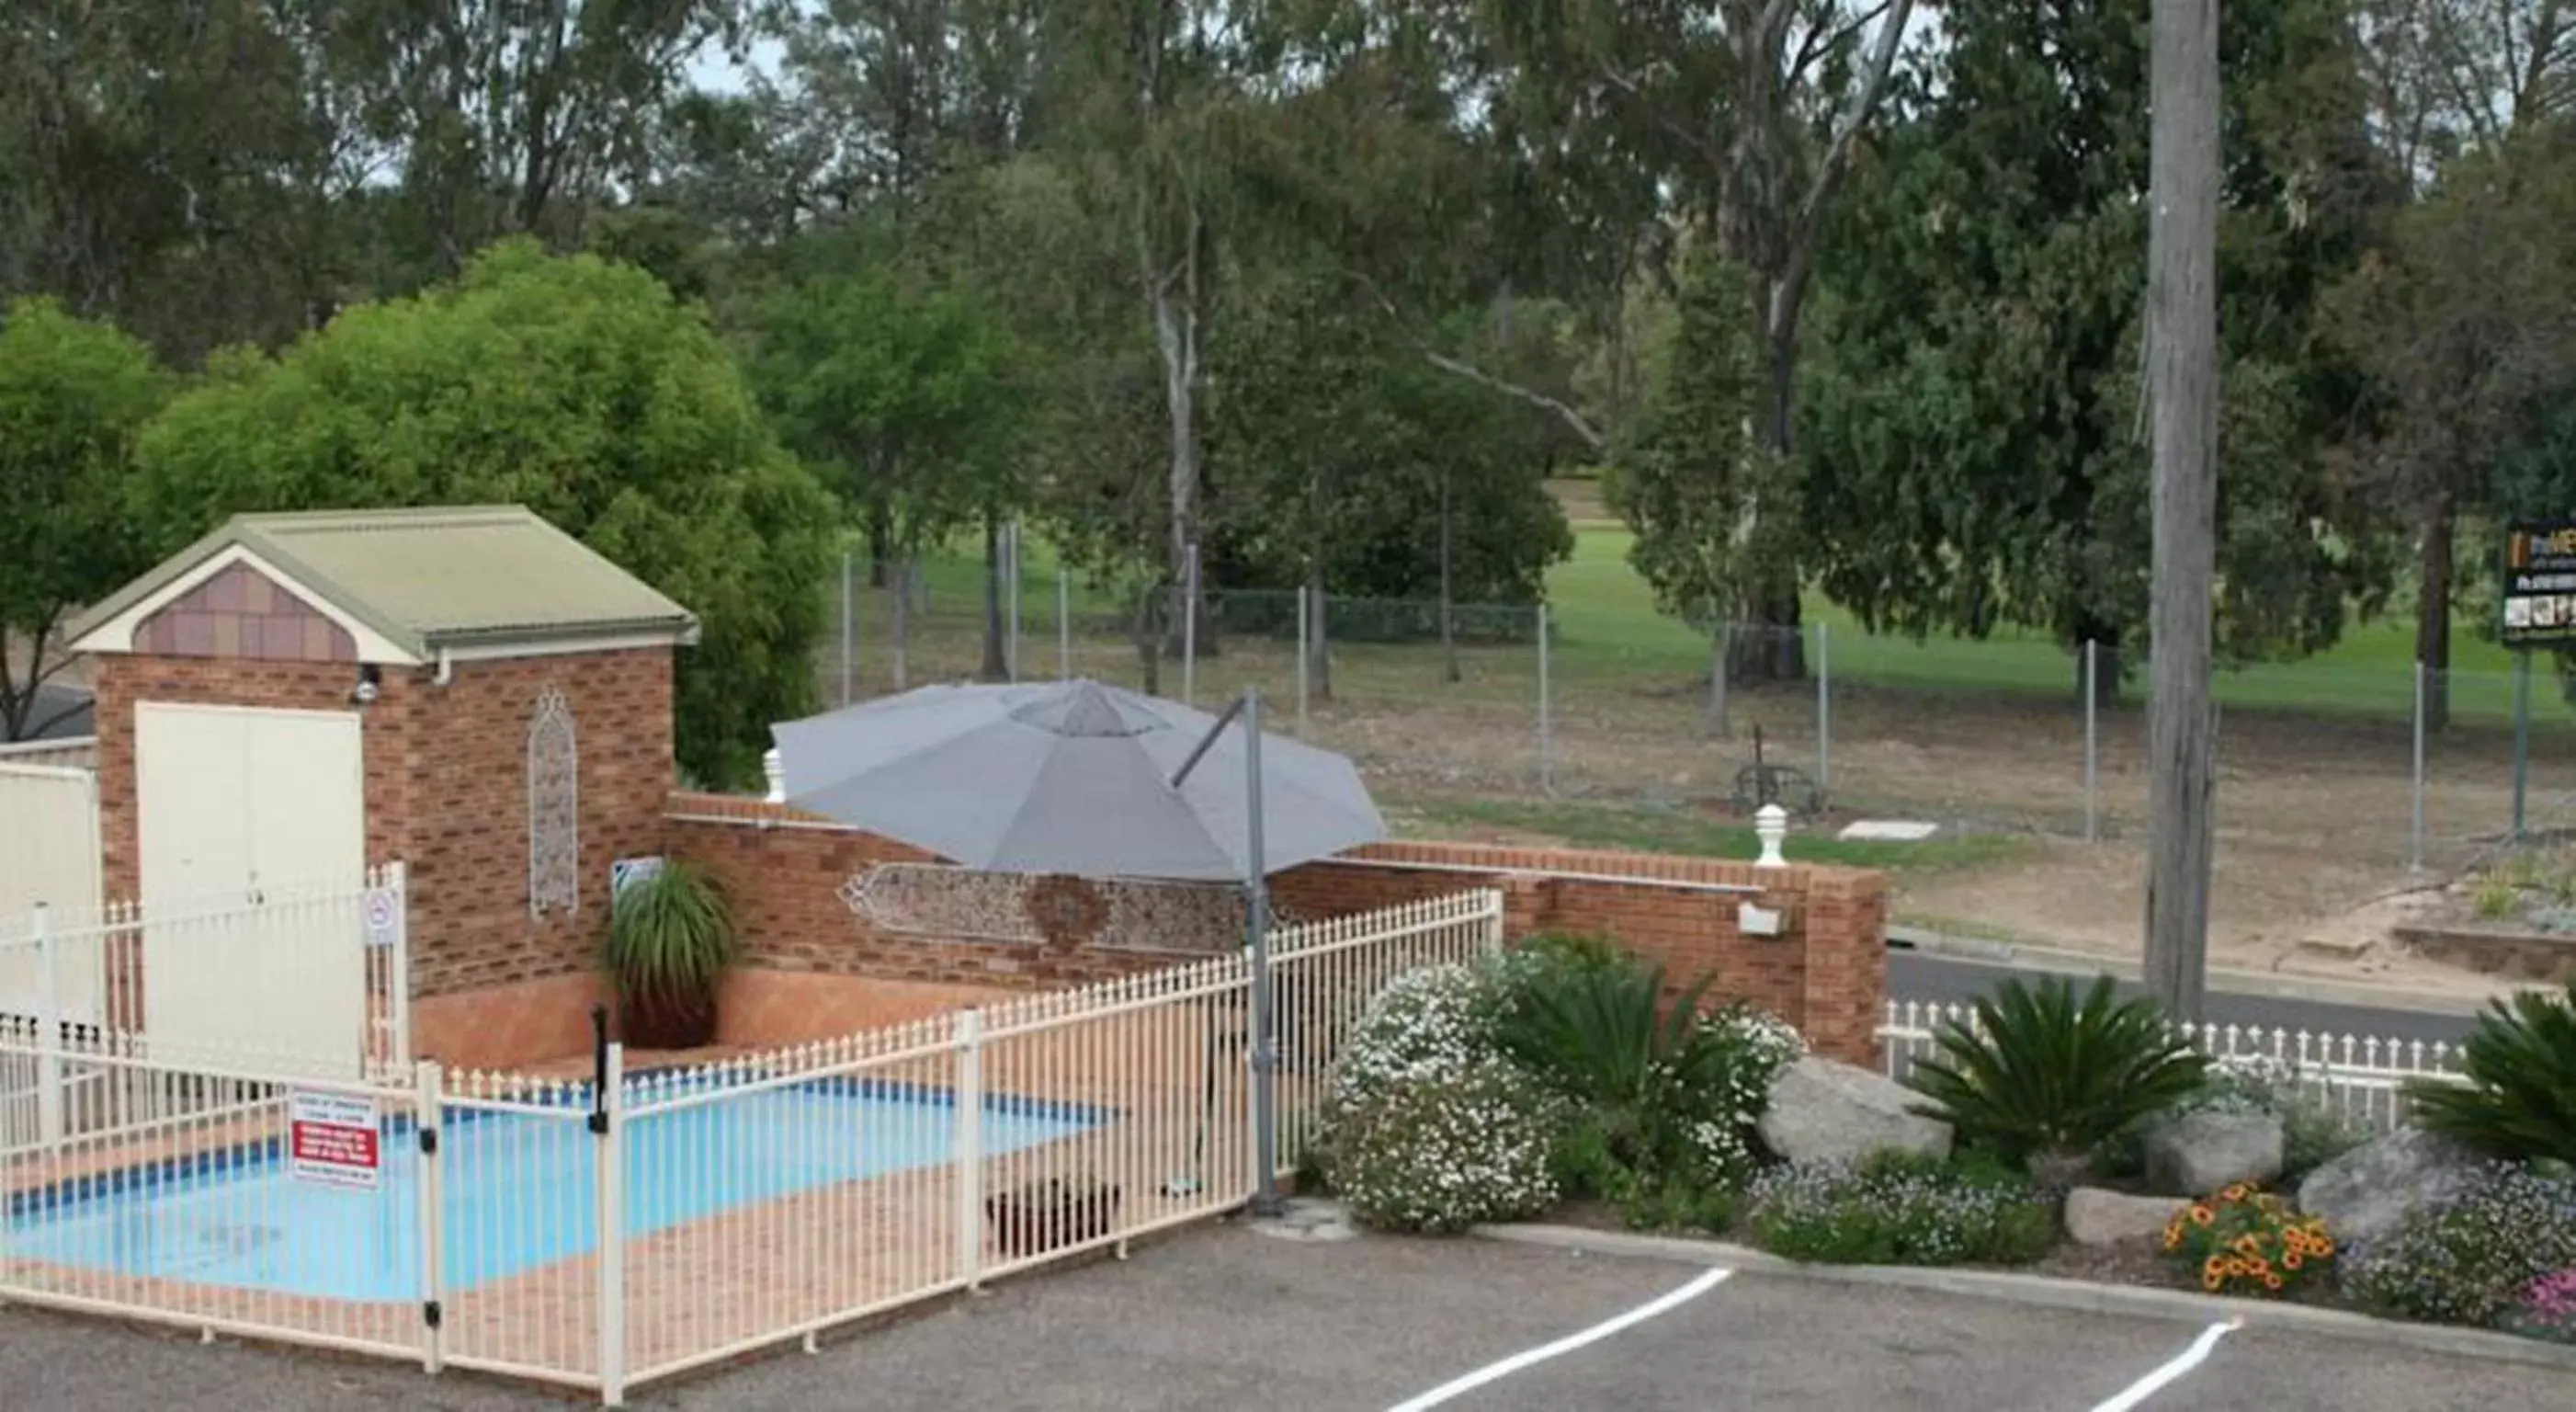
(1714, 507)
(580, 389)
(73, 397)
(902, 396)
(1975, 454)
(2464, 327)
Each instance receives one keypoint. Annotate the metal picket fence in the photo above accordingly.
(604, 1230)
(2359, 1078)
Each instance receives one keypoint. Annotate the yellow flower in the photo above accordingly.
(2210, 1281)
(2271, 1282)
(2200, 1216)
(2291, 1261)
(2233, 1193)
(2249, 1245)
(2214, 1266)
(2325, 1247)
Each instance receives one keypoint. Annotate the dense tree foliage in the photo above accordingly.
(1842, 297)
(582, 390)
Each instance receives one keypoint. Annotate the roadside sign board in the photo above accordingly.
(332, 1140)
(2540, 585)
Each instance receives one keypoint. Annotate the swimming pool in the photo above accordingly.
(517, 1190)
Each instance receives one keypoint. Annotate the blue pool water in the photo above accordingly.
(517, 1191)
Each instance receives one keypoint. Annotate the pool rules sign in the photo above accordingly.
(332, 1141)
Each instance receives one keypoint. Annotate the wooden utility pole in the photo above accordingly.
(2182, 396)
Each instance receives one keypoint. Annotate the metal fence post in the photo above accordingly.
(2415, 821)
(1824, 713)
(1546, 751)
(428, 1102)
(1063, 623)
(2521, 736)
(611, 1128)
(1305, 627)
(1190, 627)
(49, 1032)
(849, 624)
(397, 878)
(967, 1156)
(2092, 695)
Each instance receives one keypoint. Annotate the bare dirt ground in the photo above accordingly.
(2314, 812)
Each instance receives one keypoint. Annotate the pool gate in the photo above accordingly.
(598, 1230)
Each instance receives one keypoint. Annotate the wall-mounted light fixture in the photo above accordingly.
(371, 681)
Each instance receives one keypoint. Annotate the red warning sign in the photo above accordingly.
(331, 1139)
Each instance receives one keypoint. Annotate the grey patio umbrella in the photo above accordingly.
(1070, 777)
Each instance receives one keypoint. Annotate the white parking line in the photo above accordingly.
(2181, 1363)
(1492, 1372)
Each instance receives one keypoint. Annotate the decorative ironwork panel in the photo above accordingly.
(554, 808)
(959, 904)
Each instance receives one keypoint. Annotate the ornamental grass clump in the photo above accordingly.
(1895, 1209)
(2244, 1241)
(2471, 1256)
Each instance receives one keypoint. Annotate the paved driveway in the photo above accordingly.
(1227, 1318)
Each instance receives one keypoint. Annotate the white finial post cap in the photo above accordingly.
(777, 773)
(1771, 825)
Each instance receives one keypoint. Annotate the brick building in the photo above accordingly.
(469, 692)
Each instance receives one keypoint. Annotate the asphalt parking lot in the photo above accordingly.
(1227, 1318)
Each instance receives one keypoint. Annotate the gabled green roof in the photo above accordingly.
(432, 578)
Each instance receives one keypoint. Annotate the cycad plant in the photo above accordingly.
(2044, 1076)
(2519, 1101)
(1603, 1034)
(670, 937)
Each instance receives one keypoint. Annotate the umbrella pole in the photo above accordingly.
(1265, 1055)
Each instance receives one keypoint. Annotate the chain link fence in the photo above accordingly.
(2364, 767)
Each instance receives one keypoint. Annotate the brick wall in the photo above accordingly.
(1826, 972)
(468, 810)
(446, 788)
(784, 871)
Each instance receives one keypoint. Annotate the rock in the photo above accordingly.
(2364, 1193)
(1822, 1110)
(2198, 1153)
(2098, 1217)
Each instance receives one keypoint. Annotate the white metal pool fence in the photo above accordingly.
(597, 1235)
(298, 978)
(2359, 1078)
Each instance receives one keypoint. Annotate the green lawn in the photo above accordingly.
(1606, 628)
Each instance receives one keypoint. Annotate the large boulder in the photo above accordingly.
(2098, 1217)
(2194, 1154)
(1823, 1110)
(2364, 1193)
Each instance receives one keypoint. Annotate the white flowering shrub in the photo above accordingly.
(1439, 1022)
(1446, 1148)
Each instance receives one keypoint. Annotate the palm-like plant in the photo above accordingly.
(2044, 1076)
(670, 937)
(2519, 1102)
(1603, 1033)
